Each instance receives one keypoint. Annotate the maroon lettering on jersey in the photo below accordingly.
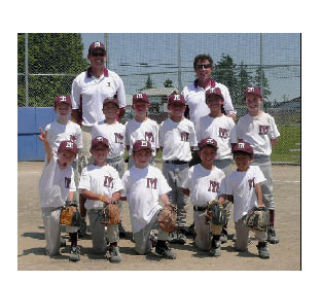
(251, 183)
(152, 183)
(148, 136)
(108, 182)
(67, 181)
(263, 129)
(214, 186)
(184, 136)
(223, 133)
(118, 138)
(73, 138)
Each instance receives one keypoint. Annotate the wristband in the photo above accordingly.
(101, 198)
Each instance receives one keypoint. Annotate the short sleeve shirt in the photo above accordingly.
(100, 180)
(142, 187)
(241, 184)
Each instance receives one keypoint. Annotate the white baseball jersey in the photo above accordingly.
(223, 130)
(114, 133)
(241, 184)
(101, 180)
(142, 187)
(58, 132)
(55, 184)
(176, 138)
(203, 184)
(146, 130)
(258, 130)
(195, 97)
(93, 91)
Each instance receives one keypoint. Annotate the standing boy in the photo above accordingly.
(260, 130)
(144, 185)
(243, 188)
(177, 138)
(114, 132)
(202, 184)
(141, 127)
(56, 186)
(100, 184)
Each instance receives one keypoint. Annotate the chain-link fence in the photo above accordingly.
(166, 60)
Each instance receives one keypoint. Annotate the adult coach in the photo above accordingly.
(89, 89)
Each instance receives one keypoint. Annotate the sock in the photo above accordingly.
(271, 215)
(73, 239)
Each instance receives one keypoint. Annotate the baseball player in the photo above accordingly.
(141, 127)
(202, 185)
(144, 185)
(177, 138)
(89, 89)
(114, 132)
(56, 186)
(243, 187)
(260, 130)
(62, 128)
(221, 128)
(100, 184)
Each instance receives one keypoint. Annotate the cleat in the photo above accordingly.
(164, 251)
(263, 250)
(74, 254)
(114, 254)
(272, 236)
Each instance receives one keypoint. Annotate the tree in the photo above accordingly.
(49, 53)
(148, 84)
(224, 72)
(168, 83)
(244, 80)
(261, 81)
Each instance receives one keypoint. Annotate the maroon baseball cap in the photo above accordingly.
(68, 146)
(243, 147)
(214, 91)
(99, 140)
(62, 99)
(111, 100)
(176, 98)
(96, 45)
(253, 90)
(140, 97)
(141, 145)
(208, 142)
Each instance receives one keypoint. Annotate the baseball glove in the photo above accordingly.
(167, 218)
(258, 219)
(109, 215)
(70, 215)
(217, 216)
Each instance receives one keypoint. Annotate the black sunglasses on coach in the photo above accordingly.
(98, 54)
(207, 66)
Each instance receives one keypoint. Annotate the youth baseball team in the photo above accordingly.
(200, 144)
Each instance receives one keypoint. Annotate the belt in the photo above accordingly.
(178, 162)
(195, 208)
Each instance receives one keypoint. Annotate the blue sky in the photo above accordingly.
(141, 53)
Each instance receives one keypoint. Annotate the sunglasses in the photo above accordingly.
(207, 66)
(98, 54)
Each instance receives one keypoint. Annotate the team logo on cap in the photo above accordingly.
(177, 98)
(97, 44)
(210, 141)
(241, 145)
(69, 145)
(250, 89)
(63, 98)
(100, 139)
(144, 143)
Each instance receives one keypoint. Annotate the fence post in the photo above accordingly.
(26, 67)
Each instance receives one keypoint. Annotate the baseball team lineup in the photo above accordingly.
(210, 157)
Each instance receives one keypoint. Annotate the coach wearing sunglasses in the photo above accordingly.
(194, 94)
(89, 89)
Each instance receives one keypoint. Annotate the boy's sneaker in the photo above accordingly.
(272, 236)
(215, 250)
(114, 254)
(75, 253)
(263, 250)
(162, 250)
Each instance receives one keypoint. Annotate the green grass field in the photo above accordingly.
(288, 147)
